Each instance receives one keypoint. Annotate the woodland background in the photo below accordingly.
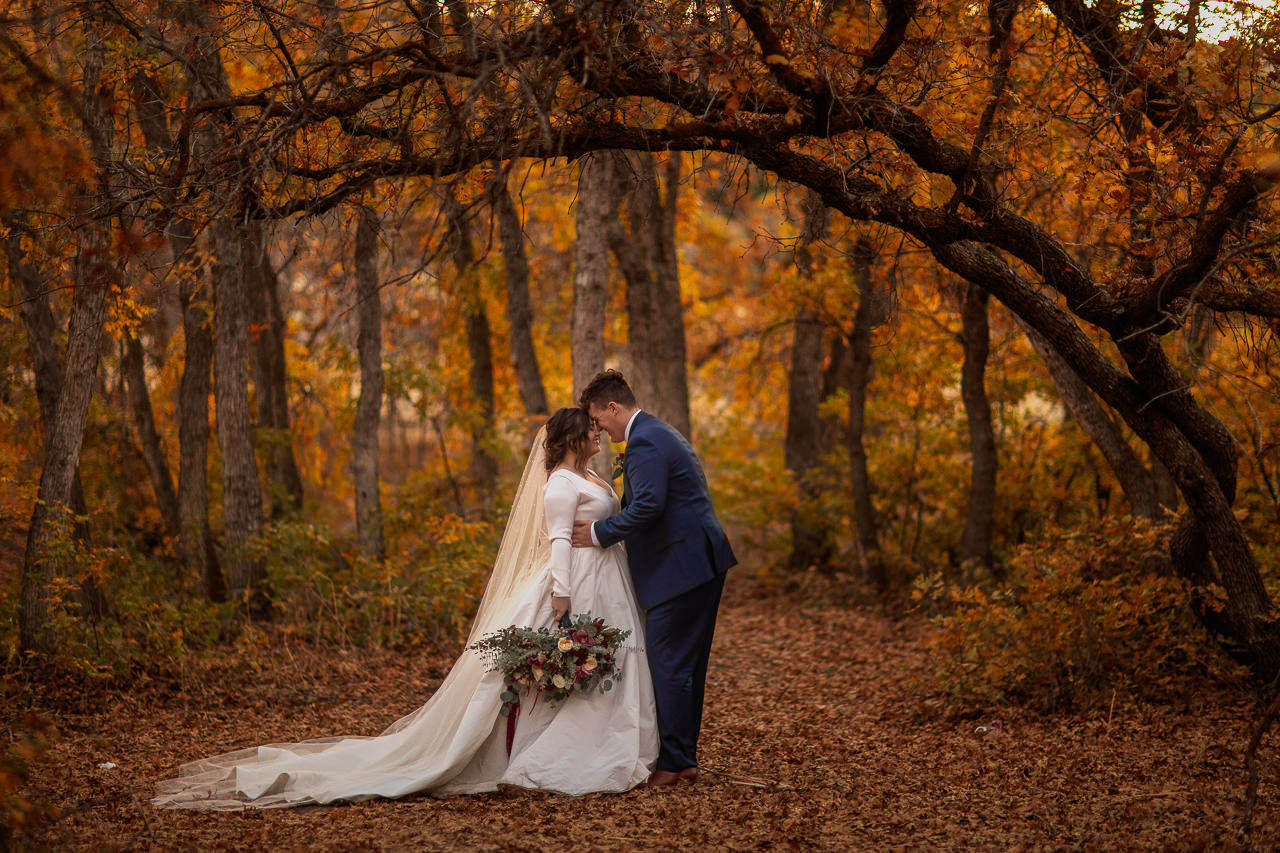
(969, 310)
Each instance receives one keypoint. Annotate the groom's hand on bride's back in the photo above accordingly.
(582, 535)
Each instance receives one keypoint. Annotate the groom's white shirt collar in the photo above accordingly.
(626, 436)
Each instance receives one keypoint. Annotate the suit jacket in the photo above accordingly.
(674, 540)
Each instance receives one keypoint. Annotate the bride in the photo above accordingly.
(457, 742)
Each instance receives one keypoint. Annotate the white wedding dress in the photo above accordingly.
(457, 742)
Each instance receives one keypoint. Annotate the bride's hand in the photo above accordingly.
(559, 606)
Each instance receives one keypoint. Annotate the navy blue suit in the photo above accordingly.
(678, 554)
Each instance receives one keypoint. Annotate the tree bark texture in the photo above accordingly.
(1135, 481)
(133, 365)
(484, 466)
(198, 551)
(975, 335)
(597, 205)
(206, 80)
(270, 374)
(524, 355)
(241, 489)
(364, 460)
(94, 271)
(46, 361)
(597, 210)
(872, 311)
(645, 250)
(802, 445)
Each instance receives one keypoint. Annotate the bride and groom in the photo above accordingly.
(562, 552)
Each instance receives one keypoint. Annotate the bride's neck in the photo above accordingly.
(570, 461)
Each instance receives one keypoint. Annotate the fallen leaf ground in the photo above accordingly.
(821, 733)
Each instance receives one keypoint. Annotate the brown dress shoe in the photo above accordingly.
(689, 774)
(662, 779)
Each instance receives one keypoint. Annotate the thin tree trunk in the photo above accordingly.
(524, 356)
(871, 312)
(975, 337)
(270, 373)
(51, 518)
(597, 207)
(669, 343)
(241, 491)
(484, 467)
(802, 446)
(206, 80)
(133, 366)
(198, 549)
(364, 461)
(41, 328)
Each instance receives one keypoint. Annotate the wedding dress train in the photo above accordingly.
(457, 742)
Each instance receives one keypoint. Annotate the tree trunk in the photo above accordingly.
(94, 270)
(364, 461)
(206, 80)
(524, 356)
(1193, 445)
(975, 337)
(872, 311)
(198, 552)
(669, 343)
(241, 491)
(270, 376)
(1136, 482)
(133, 366)
(655, 313)
(193, 423)
(484, 467)
(46, 362)
(802, 446)
(597, 208)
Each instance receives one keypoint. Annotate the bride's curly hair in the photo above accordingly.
(568, 430)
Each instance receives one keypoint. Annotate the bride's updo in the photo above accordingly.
(568, 430)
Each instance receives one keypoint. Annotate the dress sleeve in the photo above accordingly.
(561, 500)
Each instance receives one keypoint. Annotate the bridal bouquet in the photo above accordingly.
(577, 656)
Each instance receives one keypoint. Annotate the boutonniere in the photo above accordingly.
(617, 465)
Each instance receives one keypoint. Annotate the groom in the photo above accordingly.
(678, 554)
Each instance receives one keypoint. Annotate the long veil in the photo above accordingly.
(438, 744)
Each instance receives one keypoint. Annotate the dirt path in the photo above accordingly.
(816, 737)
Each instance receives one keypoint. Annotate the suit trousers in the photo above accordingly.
(678, 634)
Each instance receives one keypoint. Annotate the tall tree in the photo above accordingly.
(803, 443)
(645, 250)
(975, 337)
(198, 549)
(270, 372)
(872, 311)
(364, 458)
(596, 208)
(94, 273)
(241, 489)
(133, 366)
(42, 336)
(484, 466)
(524, 356)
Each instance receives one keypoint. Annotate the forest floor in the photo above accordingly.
(821, 732)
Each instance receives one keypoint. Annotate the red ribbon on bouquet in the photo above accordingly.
(511, 724)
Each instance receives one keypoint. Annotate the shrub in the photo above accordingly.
(1081, 613)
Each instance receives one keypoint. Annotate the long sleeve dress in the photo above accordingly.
(456, 742)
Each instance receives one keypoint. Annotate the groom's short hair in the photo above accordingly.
(608, 387)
